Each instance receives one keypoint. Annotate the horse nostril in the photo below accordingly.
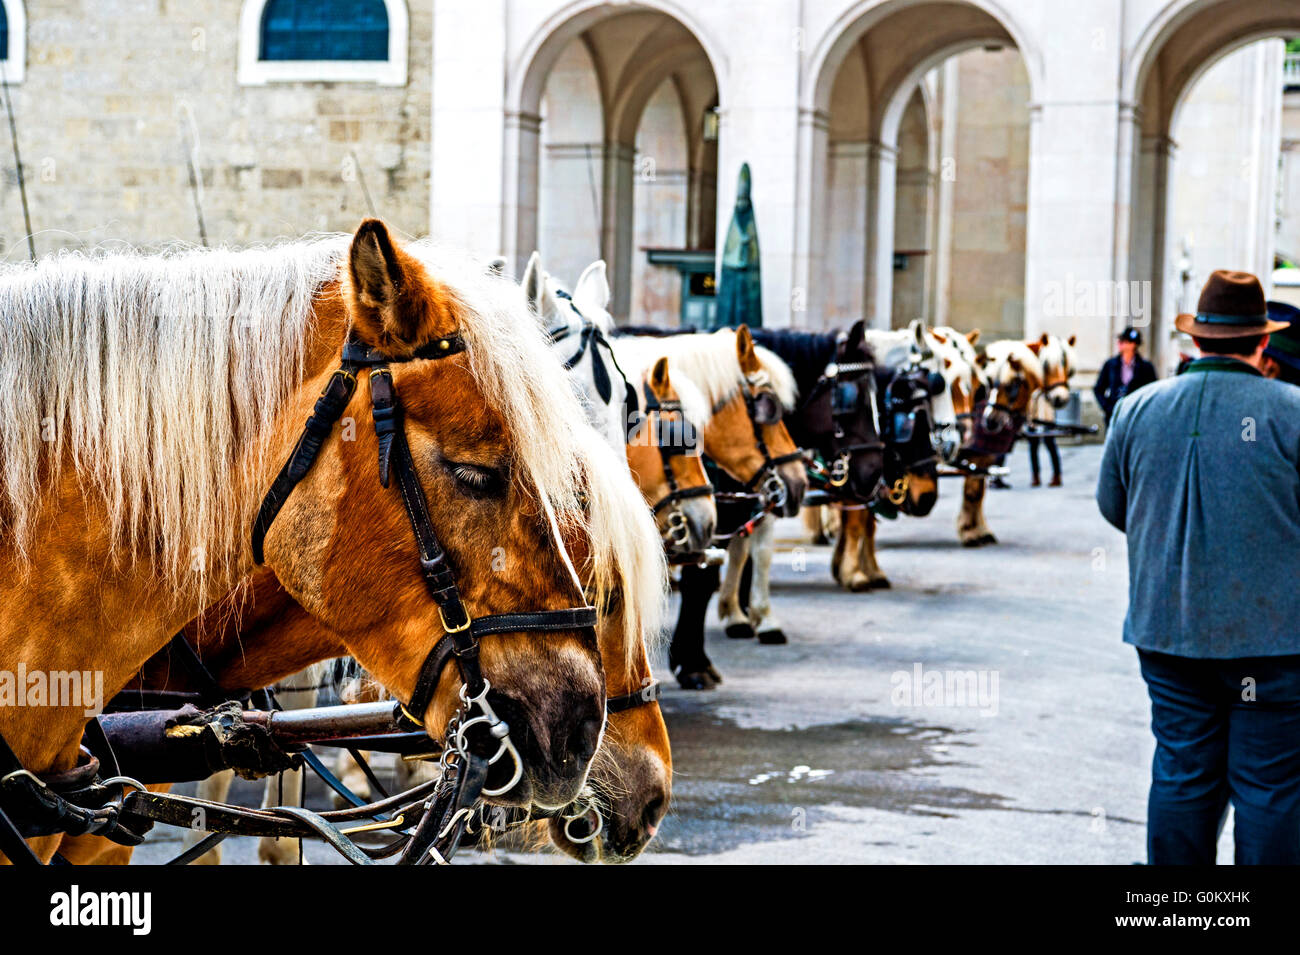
(586, 738)
(652, 814)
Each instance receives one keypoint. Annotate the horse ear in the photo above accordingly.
(917, 327)
(857, 336)
(749, 362)
(532, 281)
(659, 377)
(940, 337)
(973, 335)
(1071, 340)
(591, 294)
(1035, 347)
(383, 283)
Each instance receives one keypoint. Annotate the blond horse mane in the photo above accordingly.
(159, 376)
(708, 361)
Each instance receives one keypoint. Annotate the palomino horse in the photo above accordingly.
(171, 390)
(1014, 373)
(749, 390)
(838, 420)
(259, 635)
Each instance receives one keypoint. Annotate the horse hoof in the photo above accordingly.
(713, 673)
(694, 680)
(740, 631)
(859, 583)
(772, 637)
(880, 583)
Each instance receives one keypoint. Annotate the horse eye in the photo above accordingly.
(476, 478)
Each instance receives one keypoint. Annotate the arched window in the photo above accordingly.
(329, 40)
(13, 40)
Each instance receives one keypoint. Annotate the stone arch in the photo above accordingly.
(1171, 55)
(897, 42)
(669, 45)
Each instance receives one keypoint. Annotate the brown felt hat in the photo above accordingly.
(1231, 306)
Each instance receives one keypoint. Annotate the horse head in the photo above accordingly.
(488, 433)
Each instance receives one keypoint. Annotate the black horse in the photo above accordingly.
(837, 423)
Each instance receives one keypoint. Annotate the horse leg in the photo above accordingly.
(283, 789)
(971, 529)
(876, 579)
(686, 656)
(760, 602)
(814, 522)
(215, 789)
(734, 621)
(847, 562)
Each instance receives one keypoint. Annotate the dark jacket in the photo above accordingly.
(1202, 473)
(1109, 387)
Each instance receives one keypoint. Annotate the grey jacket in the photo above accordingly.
(1202, 472)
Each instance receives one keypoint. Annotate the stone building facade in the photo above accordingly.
(1007, 164)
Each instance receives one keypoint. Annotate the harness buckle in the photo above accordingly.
(469, 621)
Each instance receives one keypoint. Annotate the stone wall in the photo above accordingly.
(104, 113)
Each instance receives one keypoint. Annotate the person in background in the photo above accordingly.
(1282, 356)
(1123, 373)
(1202, 474)
(1044, 410)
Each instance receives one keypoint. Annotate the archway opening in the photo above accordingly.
(925, 145)
(623, 162)
(1211, 169)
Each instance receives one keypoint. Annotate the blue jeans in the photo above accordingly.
(1215, 745)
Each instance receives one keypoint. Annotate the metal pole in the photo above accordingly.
(356, 164)
(18, 163)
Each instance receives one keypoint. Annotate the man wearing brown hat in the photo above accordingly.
(1202, 473)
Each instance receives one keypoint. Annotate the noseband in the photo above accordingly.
(463, 633)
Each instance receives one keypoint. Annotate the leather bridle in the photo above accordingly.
(462, 632)
(766, 481)
(848, 382)
(678, 531)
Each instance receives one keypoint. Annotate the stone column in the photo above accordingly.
(616, 235)
(468, 107)
(759, 124)
(882, 185)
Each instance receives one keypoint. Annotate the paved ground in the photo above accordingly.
(811, 753)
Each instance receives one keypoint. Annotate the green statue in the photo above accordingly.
(740, 292)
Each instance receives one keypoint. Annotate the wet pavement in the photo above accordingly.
(982, 710)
